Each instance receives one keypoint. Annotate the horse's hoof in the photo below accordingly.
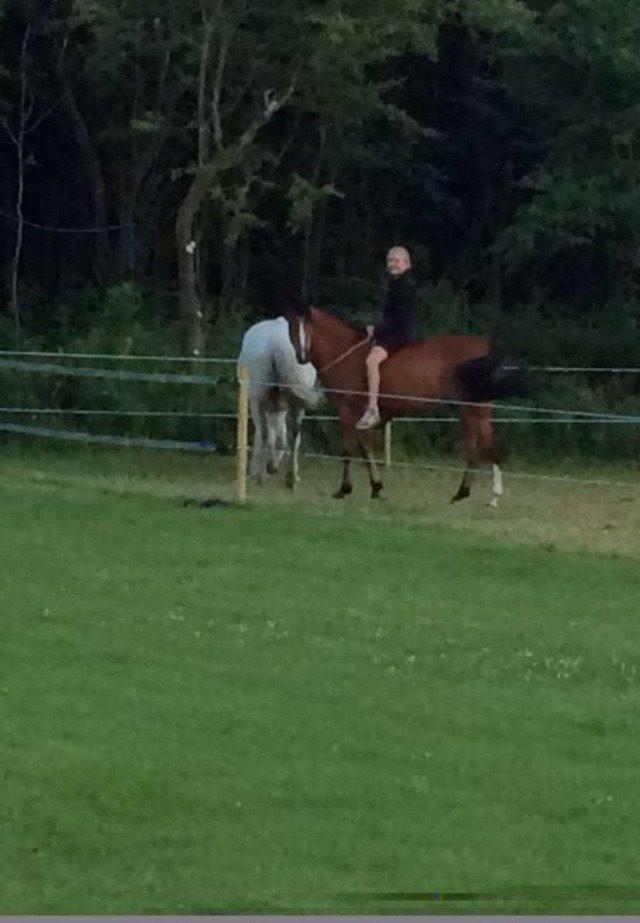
(461, 495)
(375, 491)
(493, 503)
(343, 492)
(271, 469)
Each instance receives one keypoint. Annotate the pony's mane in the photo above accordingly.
(335, 315)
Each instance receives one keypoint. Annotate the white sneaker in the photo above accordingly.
(369, 419)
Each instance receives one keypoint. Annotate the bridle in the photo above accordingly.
(304, 343)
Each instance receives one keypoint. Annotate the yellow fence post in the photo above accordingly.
(387, 444)
(242, 433)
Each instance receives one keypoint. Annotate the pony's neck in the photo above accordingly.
(330, 336)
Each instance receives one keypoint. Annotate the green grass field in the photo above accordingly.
(301, 704)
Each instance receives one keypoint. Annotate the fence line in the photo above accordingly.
(449, 402)
(125, 441)
(207, 447)
(37, 411)
(557, 415)
(48, 368)
(17, 365)
(585, 369)
(121, 357)
(125, 357)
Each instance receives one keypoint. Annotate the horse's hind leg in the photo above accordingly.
(276, 438)
(256, 467)
(496, 490)
(470, 433)
(366, 441)
(480, 446)
(465, 486)
(293, 476)
(491, 453)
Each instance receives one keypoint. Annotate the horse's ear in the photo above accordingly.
(291, 313)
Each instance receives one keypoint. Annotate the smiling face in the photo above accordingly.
(398, 261)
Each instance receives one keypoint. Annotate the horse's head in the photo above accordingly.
(300, 334)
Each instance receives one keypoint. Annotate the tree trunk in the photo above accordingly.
(186, 236)
(126, 248)
(93, 173)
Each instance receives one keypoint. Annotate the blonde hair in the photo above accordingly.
(400, 251)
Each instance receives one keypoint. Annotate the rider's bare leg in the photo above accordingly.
(371, 416)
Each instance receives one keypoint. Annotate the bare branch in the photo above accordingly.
(271, 106)
(28, 112)
(217, 88)
(44, 115)
(203, 125)
(233, 104)
(277, 158)
(7, 128)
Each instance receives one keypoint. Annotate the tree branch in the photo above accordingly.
(203, 125)
(45, 115)
(271, 106)
(217, 89)
(7, 128)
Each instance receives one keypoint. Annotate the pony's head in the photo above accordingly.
(300, 334)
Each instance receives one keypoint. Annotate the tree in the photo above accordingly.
(131, 69)
(29, 111)
(256, 60)
(577, 79)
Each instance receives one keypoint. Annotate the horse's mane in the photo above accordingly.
(336, 315)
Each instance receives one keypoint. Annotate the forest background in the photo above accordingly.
(171, 172)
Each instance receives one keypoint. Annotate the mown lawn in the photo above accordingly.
(282, 707)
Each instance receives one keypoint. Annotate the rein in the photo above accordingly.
(344, 355)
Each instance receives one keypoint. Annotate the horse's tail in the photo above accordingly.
(489, 378)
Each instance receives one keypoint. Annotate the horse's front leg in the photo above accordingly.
(346, 487)
(366, 439)
(349, 437)
(293, 476)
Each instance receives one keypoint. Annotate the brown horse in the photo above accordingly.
(416, 378)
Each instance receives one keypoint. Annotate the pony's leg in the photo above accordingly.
(366, 438)
(470, 432)
(293, 476)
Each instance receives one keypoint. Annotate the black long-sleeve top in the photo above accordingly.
(397, 326)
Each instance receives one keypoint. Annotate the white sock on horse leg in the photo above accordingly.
(497, 490)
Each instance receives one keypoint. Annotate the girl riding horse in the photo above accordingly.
(395, 330)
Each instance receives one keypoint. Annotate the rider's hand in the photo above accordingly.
(370, 329)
